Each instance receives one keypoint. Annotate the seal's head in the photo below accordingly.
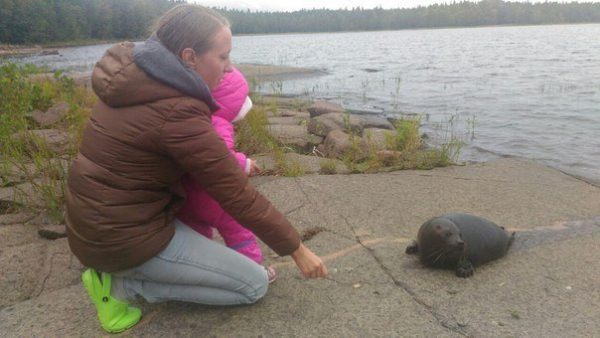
(440, 242)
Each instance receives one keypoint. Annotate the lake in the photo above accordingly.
(525, 91)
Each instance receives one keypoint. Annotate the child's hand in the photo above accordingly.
(254, 168)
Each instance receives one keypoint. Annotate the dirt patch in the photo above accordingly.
(310, 233)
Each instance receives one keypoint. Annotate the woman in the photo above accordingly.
(152, 124)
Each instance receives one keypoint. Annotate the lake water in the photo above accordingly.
(527, 91)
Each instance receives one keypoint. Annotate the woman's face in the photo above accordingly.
(214, 63)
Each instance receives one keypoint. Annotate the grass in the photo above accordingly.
(25, 157)
(38, 175)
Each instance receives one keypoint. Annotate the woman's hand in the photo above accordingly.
(254, 168)
(309, 264)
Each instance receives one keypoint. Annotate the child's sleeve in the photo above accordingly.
(226, 132)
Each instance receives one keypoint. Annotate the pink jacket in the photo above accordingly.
(232, 96)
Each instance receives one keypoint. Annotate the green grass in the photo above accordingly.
(25, 157)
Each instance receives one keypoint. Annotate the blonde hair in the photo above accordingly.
(189, 26)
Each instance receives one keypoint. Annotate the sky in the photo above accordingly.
(293, 5)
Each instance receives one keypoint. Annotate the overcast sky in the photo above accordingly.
(292, 5)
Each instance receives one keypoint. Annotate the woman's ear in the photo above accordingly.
(188, 56)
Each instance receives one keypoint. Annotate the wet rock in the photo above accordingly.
(319, 108)
(52, 115)
(322, 125)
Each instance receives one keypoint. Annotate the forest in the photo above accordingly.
(47, 21)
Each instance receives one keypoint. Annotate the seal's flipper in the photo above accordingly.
(465, 268)
(413, 248)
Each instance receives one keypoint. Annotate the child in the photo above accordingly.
(200, 211)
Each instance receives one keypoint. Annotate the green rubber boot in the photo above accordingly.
(115, 315)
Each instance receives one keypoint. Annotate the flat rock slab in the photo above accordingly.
(360, 225)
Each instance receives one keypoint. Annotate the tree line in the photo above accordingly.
(455, 14)
(43, 21)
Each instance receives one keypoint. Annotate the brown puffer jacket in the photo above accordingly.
(140, 139)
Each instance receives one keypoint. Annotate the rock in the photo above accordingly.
(288, 120)
(57, 141)
(17, 234)
(375, 122)
(314, 140)
(32, 269)
(408, 116)
(20, 266)
(319, 108)
(82, 78)
(322, 125)
(290, 113)
(389, 157)
(331, 166)
(310, 164)
(21, 217)
(46, 52)
(339, 144)
(52, 232)
(294, 136)
(377, 138)
(60, 268)
(52, 115)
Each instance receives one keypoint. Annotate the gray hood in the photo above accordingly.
(165, 67)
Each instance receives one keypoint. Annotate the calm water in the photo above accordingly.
(530, 91)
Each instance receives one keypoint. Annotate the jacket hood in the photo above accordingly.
(130, 74)
(232, 96)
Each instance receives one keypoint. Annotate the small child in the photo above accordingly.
(200, 211)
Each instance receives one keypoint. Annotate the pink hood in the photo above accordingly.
(232, 96)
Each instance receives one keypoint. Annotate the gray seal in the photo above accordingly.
(461, 242)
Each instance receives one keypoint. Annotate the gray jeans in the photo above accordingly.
(195, 269)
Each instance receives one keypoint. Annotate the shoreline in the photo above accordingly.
(28, 49)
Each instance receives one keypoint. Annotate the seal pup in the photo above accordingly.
(461, 242)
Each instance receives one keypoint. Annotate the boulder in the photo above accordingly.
(290, 113)
(52, 115)
(319, 108)
(288, 120)
(294, 136)
(322, 125)
(375, 122)
(377, 138)
(338, 144)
